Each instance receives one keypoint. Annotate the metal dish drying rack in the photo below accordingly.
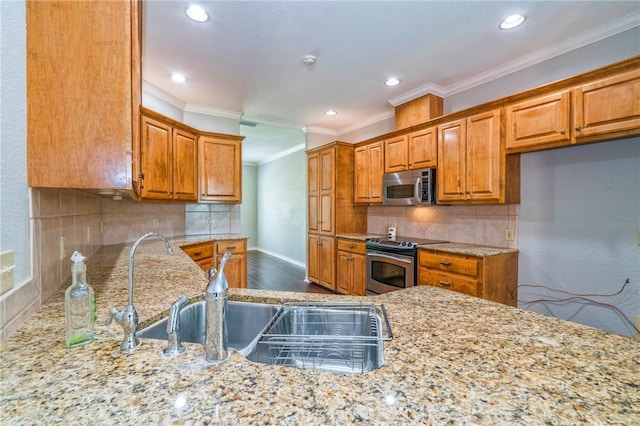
(337, 337)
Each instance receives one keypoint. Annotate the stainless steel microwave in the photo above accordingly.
(410, 188)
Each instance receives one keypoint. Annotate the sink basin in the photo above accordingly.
(340, 337)
(337, 337)
(245, 321)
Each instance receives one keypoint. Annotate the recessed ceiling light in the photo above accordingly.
(309, 60)
(178, 78)
(511, 22)
(197, 13)
(392, 82)
(331, 112)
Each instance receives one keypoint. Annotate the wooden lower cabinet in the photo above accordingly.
(492, 277)
(321, 260)
(209, 254)
(201, 253)
(236, 267)
(350, 275)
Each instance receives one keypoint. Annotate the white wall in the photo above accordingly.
(14, 199)
(579, 215)
(249, 207)
(282, 207)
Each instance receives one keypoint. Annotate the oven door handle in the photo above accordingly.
(398, 259)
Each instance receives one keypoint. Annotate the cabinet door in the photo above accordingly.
(185, 165)
(484, 157)
(313, 191)
(451, 161)
(376, 164)
(539, 123)
(608, 108)
(327, 263)
(395, 154)
(156, 159)
(234, 270)
(343, 272)
(82, 93)
(326, 179)
(313, 258)
(220, 170)
(423, 148)
(361, 174)
(358, 285)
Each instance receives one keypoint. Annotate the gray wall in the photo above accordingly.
(282, 207)
(14, 195)
(249, 207)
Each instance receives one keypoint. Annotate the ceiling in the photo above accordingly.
(247, 59)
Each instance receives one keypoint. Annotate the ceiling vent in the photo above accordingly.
(247, 123)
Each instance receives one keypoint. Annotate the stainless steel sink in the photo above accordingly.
(245, 321)
(337, 337)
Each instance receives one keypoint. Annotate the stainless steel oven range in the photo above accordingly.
(392, 263)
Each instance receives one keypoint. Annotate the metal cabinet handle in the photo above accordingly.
(562, 132)
(351, 246)
(445, 283)
(231, 248)
(197, 253)
(578, 128)
(445, 263)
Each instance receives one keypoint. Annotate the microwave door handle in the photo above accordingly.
(418, 191)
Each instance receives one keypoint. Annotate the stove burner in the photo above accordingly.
(400, 243)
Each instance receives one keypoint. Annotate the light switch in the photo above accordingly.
(6, 279)
(6, 259)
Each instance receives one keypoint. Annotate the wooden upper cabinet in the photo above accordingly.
(168, 161)
(321, 178)
(423, 148)
(396, 155)
(83, 93)
(542, 122)
(472, 165)
(368, 163)
(220, 159)
(608, 108)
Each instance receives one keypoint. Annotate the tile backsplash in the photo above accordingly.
(481, 224)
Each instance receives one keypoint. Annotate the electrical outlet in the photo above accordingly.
(508, 234)
(639, 237)
(155, 223)
(88, 234)
(208, 221)
(6, 279)
(6, 259)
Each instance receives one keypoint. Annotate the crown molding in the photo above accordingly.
(320, 130)
(373, 120)
(284, 153)
(216, 112)
(417, 92)
(162, 95)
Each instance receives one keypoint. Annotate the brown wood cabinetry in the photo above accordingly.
(472, 165)
(331, 208)
(367, 169)
(539, 122)
(236, 268)
(396, 154)
(493, 277)
(168, 160)
(220, 168)
(423, 148)
(350, 276)
(201, 253)
(607, 108)
(83, 94)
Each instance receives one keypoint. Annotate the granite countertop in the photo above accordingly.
(451, 247)
(453, 359)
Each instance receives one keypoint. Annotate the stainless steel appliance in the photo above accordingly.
(392, 263)
(410, 188)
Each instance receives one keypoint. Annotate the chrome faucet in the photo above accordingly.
(128, 318)
(175, 345)
(216, 344)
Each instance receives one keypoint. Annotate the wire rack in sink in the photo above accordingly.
(338, 337)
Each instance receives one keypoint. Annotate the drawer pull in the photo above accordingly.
(350, 246)
(445, 263)
(445, 283)
(231, 248)
(197, 253)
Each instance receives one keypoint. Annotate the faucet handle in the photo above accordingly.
(113, 313)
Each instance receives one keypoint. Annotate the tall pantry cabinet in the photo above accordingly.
(331, 208)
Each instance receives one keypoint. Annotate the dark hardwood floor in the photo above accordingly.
(266, 272)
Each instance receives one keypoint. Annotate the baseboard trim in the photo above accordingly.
(281, 257)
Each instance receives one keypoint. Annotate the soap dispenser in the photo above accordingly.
(80, 304)
(216, 342)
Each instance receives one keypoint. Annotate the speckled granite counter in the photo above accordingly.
(454, 359)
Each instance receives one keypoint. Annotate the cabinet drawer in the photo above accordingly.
(234, 246)
(464, 265)
(351, 246)
(449, 281)
(199, 252)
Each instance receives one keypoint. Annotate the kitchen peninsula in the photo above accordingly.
(453, 358)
